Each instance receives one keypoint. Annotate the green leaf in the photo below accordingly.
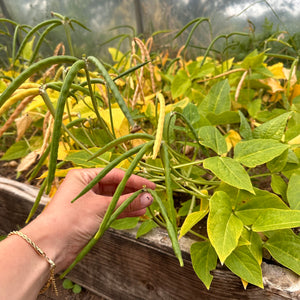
(80, 157)
(68, 284)
(191, 113)
(146, 227)
(191, 220)
(278, 185)
(212, 138)
(257, 152)
(255, 246)
(273, 129)
(125, 223)
(180, 84)
(284, 246)
(223, 227)
(278, 163)
(253, 60)
(245, 129)
(252, 206)
(244, 264)
(293, 191)
(218, 99)
(204, 260)
(227, 117)
(229, 171)
(15, 151)
(274, 218)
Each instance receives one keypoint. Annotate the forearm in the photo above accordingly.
(23, 271)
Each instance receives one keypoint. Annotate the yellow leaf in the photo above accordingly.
(181, 104)
(274, 84)
(84, 108)
(63, 150)
(277, 71)
(116, 55)
(232, 139)
(288, 74)
(59, 173)
(296, 91)
(121, 125)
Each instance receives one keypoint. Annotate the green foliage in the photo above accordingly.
(228, 144)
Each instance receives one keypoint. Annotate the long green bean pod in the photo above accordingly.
(121, 186)
(58, 119)
(107, 169)
(32, 32)
(120, 140)
(170, 228)
(113, 88)
(31, 70)
(42, 37)
(110, 216)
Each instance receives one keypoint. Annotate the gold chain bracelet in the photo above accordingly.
(40, 252)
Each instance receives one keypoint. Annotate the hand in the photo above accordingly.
(69, 226)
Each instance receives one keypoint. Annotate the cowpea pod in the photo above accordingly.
(107, 169)
(121, 186)
(168, 182)
(32, 32)
(42, 37)
(45, 63)
(120, 140)
(18, 96)
(160, 125)
(170, 228)
(58, 119)
(109, 215)
(113, 88)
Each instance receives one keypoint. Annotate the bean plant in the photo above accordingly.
(219, 138)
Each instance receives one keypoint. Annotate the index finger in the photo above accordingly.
(110, 182)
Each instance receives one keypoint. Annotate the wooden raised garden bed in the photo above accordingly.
(123, 267)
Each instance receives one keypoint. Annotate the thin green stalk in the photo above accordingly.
(193, 202)
(94, 102)
(113, 88)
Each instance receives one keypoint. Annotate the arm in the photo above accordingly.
(63, 229)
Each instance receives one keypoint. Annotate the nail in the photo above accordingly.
(146, 199)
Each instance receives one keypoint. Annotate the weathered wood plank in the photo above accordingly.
(121, 267)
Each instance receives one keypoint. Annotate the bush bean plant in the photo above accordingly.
(220, 138)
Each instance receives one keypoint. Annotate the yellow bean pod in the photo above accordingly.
(18, 96)
(160, 125)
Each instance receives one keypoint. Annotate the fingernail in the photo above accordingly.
(146, 199)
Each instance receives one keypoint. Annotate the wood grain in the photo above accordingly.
(122, 267)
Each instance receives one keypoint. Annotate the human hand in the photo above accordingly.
(71, 225)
